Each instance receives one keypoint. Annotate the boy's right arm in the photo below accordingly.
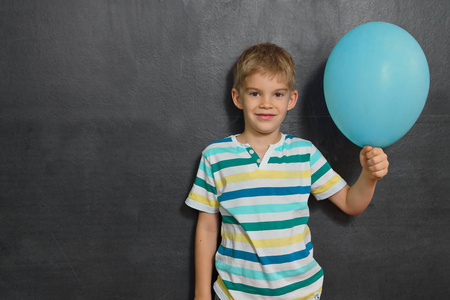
(206, 236)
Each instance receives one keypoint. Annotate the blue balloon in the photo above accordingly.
(376, 83)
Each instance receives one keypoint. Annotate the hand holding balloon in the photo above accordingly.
(374, 162)
(355, 199)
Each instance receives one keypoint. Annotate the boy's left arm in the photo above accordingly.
(355, 199)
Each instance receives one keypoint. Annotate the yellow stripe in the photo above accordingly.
(263, 174)
(310, 295)
(329, 184)
(266, 243)
(202, 199)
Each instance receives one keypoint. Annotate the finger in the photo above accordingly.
(379, 169)
(363, 153)
(374, 152)
(377, 159)
(380, 174)
(366, 149)
(384, 165)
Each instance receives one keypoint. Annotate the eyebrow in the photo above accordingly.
(277, 90)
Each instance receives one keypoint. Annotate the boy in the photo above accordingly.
(260, 181)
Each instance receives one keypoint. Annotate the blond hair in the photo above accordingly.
(265, 58)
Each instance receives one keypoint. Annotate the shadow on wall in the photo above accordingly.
(318, 126)
(235, 118)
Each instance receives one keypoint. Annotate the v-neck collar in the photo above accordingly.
(260, 162)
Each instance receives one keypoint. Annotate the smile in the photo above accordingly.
(265, 116)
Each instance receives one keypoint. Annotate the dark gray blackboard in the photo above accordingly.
(106, 106)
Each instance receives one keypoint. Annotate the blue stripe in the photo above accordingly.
(206, 169)
(315, 157)
(265, 191)
(224, 140)
(279, 259)
(289, 137)
(215, 151)
(260, 275)
(267, 208)
(267, 260)
(296, 144)
(238, 254)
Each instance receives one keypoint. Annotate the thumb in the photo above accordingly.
(363, 155)
(366, 150)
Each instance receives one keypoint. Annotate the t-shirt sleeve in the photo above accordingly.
(203, 195)
(325, 182)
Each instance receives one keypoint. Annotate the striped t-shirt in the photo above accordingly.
(266, 250)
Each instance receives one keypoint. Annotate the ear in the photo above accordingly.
(293, 99)
(236, 98)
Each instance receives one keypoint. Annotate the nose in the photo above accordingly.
(266, 102)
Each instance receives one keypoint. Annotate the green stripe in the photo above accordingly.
(203, 184)
(319, 173)
(275, 225)
(273, 292)
(229, 220)
(298, 158)
(231, 163)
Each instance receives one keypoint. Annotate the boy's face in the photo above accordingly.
(265, 100)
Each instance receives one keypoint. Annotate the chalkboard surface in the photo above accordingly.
(106, 106)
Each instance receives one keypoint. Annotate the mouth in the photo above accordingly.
(265, 116)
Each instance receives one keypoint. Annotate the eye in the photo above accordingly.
(279, 95)
(254, 94)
